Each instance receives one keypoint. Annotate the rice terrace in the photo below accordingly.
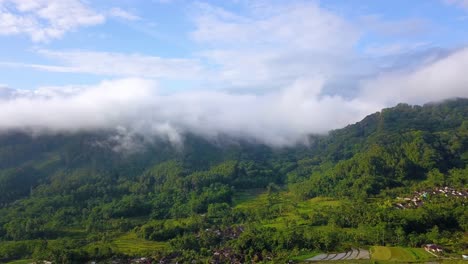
(353, 254)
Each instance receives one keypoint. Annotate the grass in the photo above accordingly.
(321, 201)
(381, 253)
(241, 197)
(131, 244)
(74, 233)
(420, 254)
(399, 254)
(250, 201)
(254, 198)
(293, 213)
(311, 205)
(21, 261)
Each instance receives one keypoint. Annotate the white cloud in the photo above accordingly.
(277, 117)
(120, 13)
(119, 64)
(272, 46)
(89, 108)
(300, 25)
(44, 20)
(6, 92)
(442, 79)
(138, 106)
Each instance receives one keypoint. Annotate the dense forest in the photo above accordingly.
(71, 198)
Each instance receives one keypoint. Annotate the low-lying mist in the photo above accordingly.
(279, 117)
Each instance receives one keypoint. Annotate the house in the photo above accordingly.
(433, 248)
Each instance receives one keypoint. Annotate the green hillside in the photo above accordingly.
(71, 198)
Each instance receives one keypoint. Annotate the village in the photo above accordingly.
(419, 197)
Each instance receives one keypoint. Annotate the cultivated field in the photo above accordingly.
(400, 254)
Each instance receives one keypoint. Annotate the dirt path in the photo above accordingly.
(363, 254)
(354, 254)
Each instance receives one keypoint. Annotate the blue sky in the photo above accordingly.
(278, 69)
(165, 29)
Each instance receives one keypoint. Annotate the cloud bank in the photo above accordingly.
(278, 118)
(441, 79)
(137, 106)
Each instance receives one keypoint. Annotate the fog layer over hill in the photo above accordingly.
(276, 117)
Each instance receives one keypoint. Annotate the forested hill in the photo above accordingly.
(399, 146)
(51, 184)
